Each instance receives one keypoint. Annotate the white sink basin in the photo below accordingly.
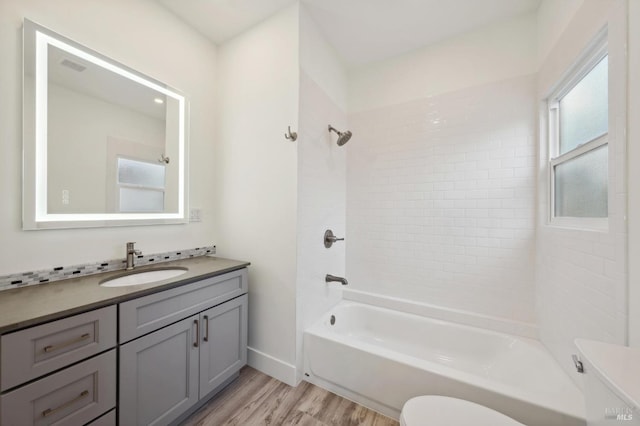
(143, 277)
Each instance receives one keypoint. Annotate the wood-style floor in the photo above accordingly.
(257, 399)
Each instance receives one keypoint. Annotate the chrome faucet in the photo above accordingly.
(131, 252)
(331, 278)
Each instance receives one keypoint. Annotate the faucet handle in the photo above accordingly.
(132, 250)
(329, 238)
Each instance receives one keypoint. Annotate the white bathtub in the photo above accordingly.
(381, 358)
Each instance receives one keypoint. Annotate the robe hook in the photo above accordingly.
(292, 136)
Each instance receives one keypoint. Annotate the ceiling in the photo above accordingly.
(103, 84)
(362, 31)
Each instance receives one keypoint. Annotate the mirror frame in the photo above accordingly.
(36, 40)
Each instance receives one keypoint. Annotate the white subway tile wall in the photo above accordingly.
(581, 282)
(441, 200)
(321, 206)
(581, 287)
(321, 202)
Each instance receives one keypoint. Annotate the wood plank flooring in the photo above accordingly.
(257, 399)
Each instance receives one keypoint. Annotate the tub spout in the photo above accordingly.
(331, 278)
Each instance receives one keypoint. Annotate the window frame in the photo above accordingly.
(595, 53)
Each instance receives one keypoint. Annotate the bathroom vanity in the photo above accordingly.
(74, 352)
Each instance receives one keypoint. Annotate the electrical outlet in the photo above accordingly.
(65, 196)
(195, 215)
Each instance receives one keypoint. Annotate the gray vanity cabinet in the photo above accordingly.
(166, 353)
(166, 372)
(159, 375)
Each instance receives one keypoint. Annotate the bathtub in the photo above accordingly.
(381, 358)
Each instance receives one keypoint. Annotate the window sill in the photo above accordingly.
(585, 224)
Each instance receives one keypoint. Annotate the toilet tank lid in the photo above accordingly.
(443, 410)
(617, 366)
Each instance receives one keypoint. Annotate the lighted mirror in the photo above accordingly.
(104, 145)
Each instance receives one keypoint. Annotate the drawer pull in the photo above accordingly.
(206, 331)
(197, 323)
(52, 348)
(50, 411)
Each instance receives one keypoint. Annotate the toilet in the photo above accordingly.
(611, 377)
(435, 410)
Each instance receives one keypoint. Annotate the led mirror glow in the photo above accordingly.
(40, 151)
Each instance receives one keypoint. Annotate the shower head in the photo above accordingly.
(343, 137)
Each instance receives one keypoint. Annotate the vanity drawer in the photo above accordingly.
(33, 352)
(73, 396)
(146, 314)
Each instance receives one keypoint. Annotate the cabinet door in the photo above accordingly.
(224, 343)
(159, 375)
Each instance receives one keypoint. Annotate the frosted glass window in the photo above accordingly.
(581, 185)
(584, 110)
(132, 172)
(136, 200)
(141, 186)
(579, 141)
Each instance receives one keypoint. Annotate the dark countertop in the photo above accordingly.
(31, 305)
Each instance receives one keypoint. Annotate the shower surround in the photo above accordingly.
(441, 200)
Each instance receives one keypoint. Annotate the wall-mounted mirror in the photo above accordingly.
(104, 145)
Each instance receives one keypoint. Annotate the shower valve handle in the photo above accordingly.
(329, 238)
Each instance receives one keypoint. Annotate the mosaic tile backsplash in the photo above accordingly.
(44, 276)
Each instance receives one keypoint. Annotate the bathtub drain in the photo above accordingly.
(333, 319)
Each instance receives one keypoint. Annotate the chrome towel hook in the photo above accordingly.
(292, 136)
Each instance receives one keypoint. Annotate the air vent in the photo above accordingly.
(73, 65)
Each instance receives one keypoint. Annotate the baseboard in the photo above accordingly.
(271, 366)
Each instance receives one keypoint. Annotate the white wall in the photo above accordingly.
(553, 17)
(321, 61)
(441, 200)
(490, 54)
(144, 36)
(441, 174)
(257, 178)
(321, 177)
(581, 288)
(633, 143)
